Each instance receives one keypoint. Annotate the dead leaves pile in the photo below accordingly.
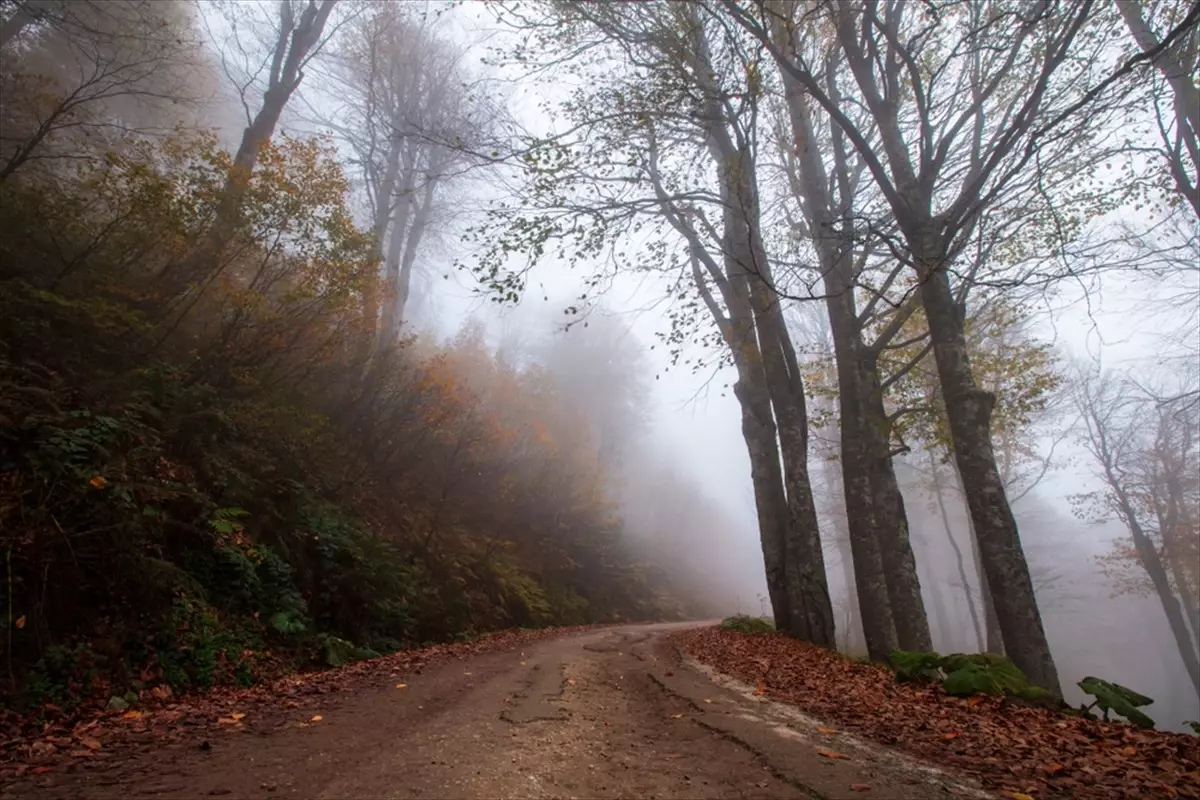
(1015, 749)
(88, 736)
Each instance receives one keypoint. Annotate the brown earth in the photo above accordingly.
(603, 713)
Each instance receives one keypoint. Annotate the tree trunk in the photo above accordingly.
(389, 329)
(994, 641)
(1152, 563)
(968, 410)
(972, 609)
(411, 242)
(292, 48)
(891, 521)
(766, 476)
(749, 275)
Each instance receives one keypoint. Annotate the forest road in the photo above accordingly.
(609, 713)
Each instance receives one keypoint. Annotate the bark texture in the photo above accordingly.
(968, 410)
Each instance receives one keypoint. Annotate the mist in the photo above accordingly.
(479, 293)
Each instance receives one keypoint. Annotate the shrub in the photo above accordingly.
(965, 674)
(744, 623)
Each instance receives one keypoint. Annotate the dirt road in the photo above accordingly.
(611, 713)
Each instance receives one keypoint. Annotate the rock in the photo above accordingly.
(117, 704)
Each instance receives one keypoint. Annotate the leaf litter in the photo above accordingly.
(1018, 750)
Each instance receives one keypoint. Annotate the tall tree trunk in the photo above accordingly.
(860, 476)
(758, 426)
(1152, 563)
(810, 610)
(389, 329)
(968, 410)
(766, 476)
(972, 609)
(891, 520)
(411, 242)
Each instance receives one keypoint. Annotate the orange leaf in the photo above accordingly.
(132, 715)
(317, 718)
(20, 623)
(401, 685)
(39, 770)
(90, 744)
(974, 701)
(1052, 768)
(1019, 796)
(949, 737)
(832, 754)
(237, 715)
(761, 690)
(826, 730)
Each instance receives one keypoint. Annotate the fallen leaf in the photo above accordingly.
(401, 685)
(676, 716)
(949, 737)
(1052, 769)
(859, 787)
(761, 689)
(974, 701)
(570, 682)
(80, 754)
(832, 754)
(238, 715)
(20, 623)
(39, 770)
(826, 730)
(226, 721)
(316, 718)
(98, 482)
(1019, 796)
(707, 700)
(132, 715)
(90, 744)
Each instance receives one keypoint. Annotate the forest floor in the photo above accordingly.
(608, 712)
(1013, 749)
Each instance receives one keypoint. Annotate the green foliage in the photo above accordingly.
(202, 484)
(1115, 697)
(744, 623)
(1194, 725)
(966, 674)
(913, 666)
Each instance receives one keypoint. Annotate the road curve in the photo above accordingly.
(610, 713)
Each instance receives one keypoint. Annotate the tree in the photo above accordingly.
(965, 104)
(624, 166)
(296, 40)
(1146, 453)
(79, 76)
(830, 200)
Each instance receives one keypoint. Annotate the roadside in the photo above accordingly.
(1013, 749)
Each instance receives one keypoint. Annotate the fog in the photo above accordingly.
(633, 355)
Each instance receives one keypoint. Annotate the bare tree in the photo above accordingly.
(78, 75)
(1146, 454)
(297, 39)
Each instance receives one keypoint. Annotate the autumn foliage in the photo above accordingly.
(208, 477)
